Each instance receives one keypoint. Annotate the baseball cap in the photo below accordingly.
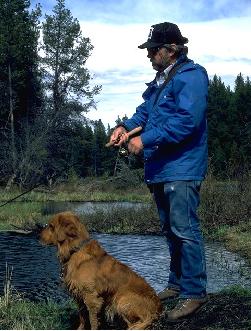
(164, 33)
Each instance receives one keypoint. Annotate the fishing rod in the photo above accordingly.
(122, 152)
(39, 184)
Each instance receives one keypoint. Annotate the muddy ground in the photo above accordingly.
(223, 311)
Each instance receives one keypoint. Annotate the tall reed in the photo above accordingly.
(7, 285)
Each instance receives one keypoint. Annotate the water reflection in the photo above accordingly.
(36, 269)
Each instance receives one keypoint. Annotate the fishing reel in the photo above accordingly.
(123, 151)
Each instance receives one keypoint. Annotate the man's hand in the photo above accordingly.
(118, 136)
(135, 145)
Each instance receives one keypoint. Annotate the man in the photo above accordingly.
(174, 142)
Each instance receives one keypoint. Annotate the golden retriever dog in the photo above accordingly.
(97, 281)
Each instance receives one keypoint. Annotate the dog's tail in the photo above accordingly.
(141, 325)
(138, 312)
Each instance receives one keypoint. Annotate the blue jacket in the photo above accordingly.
(175, 128)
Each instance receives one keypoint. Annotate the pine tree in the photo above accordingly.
(229, 119)
(65, 54)
(69, 94)
(20, 93)
(219, 132)
(100, 152)
(19, 32)
(88, 153)
(242, 124)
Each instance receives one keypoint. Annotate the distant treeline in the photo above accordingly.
(46, 91)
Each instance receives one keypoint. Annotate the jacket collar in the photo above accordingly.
(181, 58)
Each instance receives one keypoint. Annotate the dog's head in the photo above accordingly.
(64, 229)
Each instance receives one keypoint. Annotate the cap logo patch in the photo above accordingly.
(150, 34)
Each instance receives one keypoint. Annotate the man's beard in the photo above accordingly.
(160, 67)
(156, 67)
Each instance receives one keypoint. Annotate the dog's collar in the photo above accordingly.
(81, 245)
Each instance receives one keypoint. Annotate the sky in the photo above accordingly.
(219, 33)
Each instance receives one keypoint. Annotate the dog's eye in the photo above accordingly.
(51, 227)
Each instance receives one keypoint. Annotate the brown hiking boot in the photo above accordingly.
(168, 293)
(184, 308)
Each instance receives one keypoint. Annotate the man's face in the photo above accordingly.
(161, 58)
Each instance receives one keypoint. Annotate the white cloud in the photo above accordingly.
(218, 32)
(154, 11)
(221, 46)
(115, 46)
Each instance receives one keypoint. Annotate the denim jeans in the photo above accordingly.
(177, 203)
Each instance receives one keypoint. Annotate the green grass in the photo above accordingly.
(238, 239)
(124, 220)
(22, 314)
(19, 214)
(225, 213)
(224, 210)
(228, 309)
(37, 196)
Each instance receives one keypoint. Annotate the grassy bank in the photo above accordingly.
(228, 309)
(224, 210)
(89, 189)
(21, 314)
(225, 213)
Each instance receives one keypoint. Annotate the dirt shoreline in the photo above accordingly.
(222, 311)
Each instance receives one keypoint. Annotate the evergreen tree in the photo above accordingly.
(67, 82)
(20, 93)
(88, 153)
(229, 127)
(65, 54)
(219, 132)
(241, 125)
(19, 32)
(99, 152)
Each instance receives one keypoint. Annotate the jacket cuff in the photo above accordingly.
(129, 125)
(121, 124)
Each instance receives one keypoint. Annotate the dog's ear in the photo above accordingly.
(67, 229)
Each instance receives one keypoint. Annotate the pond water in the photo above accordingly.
(88, 207)
(35, 268)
